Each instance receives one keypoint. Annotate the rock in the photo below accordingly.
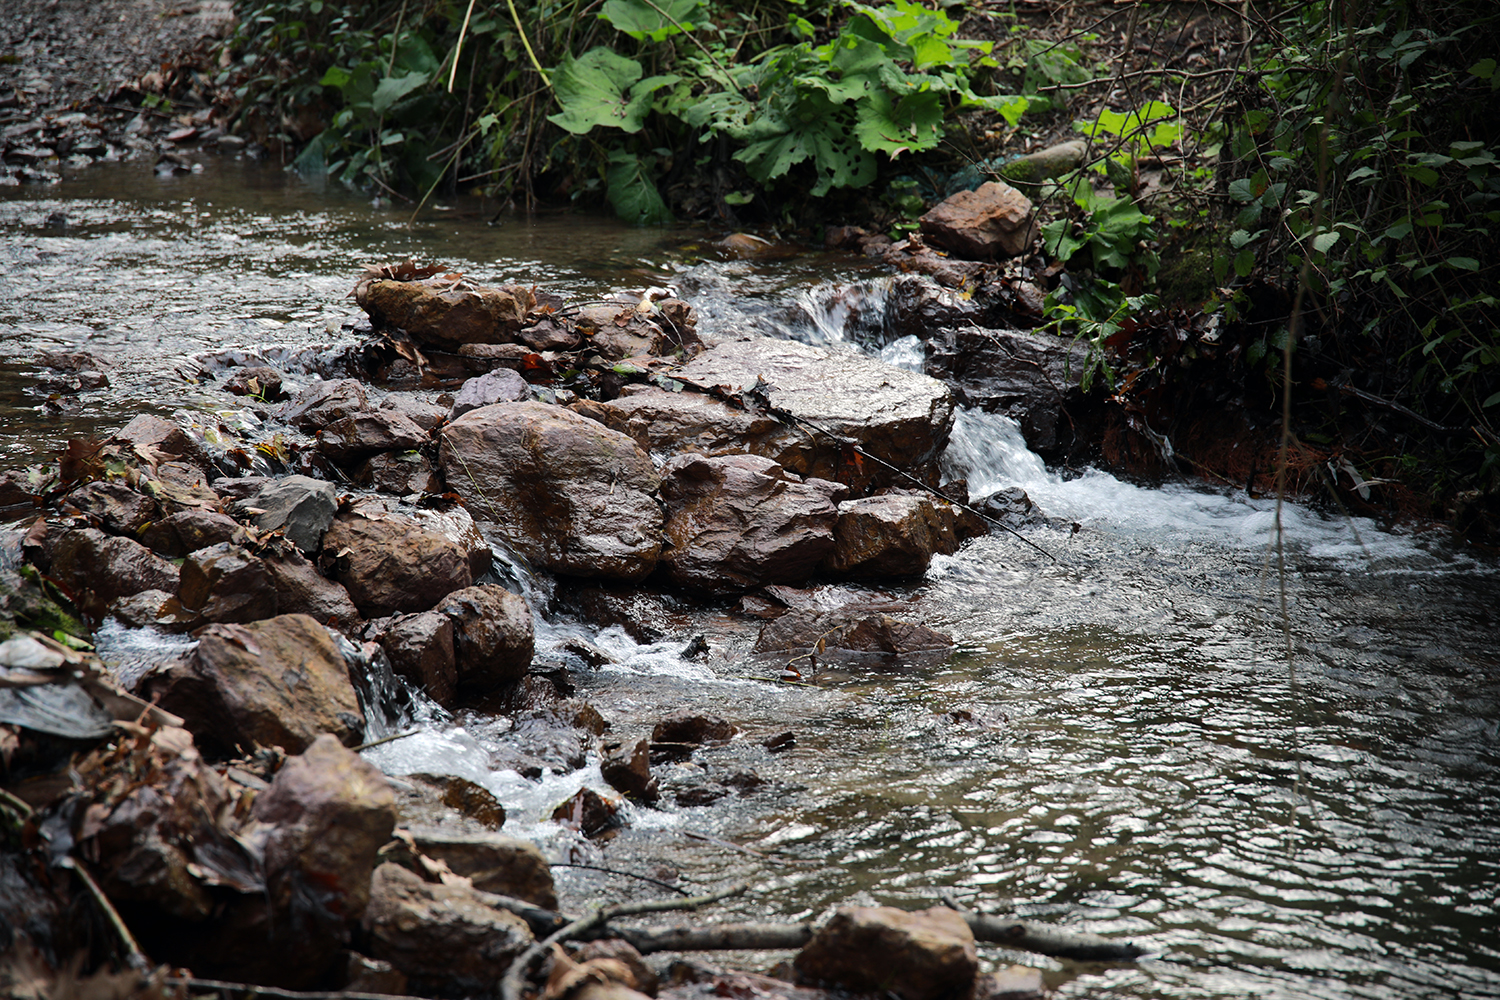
(736, 522)
(98, 569)
(455, 523)
(642, 976)
(447, 313)
(926, 955)
(493, 637)
(1015, 982)
(300, 505)
(360, 435)
(501, 865)
(1030, 377)
(321, 824)
(420, 648)
(259, 381)
(569, 495)
(279, 682)
(646, 614)
(149, 607)
(302, 590)
(900, 417)
(323, 402)
(225, 583)
(371, 975)
(471, 801)
(499, 386)
(588, 812)
(121, 510)
(705, 794)
(884, 536)
(445, 938)
(991, 222)
(425, 414)
(549, 335)
(674, 423)
(181, 486)
(679, 734)
(626, 330)
(399, 473)
(1045, 164)
(847, 632)
(628, 770)
(392, 565)
(154, 439)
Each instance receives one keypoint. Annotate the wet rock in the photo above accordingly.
(122, 510)
(679, 734)
(149, 607)
(673, 423)
(705, 794)
(372, 975)
(180, 486)
(628, 770)
(694, 982)
(301, 506)
(588, 812)
(539, 742)
(493, 638)
(455, 523)
(302, 590)
(780, 743)
(642, 976)
(420, 648)
(570, 495)
(501, 865)
(550, 335)
(237, 490)
(884, 536)
(321, 824)
(97, 569)
(444, 937)
(900, 417)
(846, 633)
(399, 473)
(323, 402)
(1030, 377)
(444, 312)
(991, 222)
(154, 440)
(646, 614)
(499, 386)
(259, 381)
(739, 521)
(926, 955)
(360, 435)
(471, 801)
(392, 565)
(279, 682)
(225, 583)
(420, 411)
(1014, 982)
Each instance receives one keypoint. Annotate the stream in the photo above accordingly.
(1119, 742)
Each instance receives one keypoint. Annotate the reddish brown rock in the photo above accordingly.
(360, 435)
(502, 865)
(588, 812)
(444, 312)
(120, 509)
(628, 770)
(180, 486)
(391, 565)
(155, 439)
(279, 682)
(97, 569)
(927, 955)
(570, 495)
(225, 583)
(446, 938)
(736, 522)
(674, 423)
(493, 638)
(420, 648)
(847, 636)
(175, 535)
(259, 381)
(884, 536)
(323, 402)
(679, 734)
(399, 473)
(991, 222)
(302, 590)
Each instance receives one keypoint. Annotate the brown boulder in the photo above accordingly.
(97, 568)
(362, 434)
(121, 510)
(674, 423)
(225, 583)
(302, 590)
(993, 221)
(845, 635)
(493, 638)
(448, 313)
(280, 682)
(323, 402)
(175, 535)
(628, 770)
(392, 565)
(501, 865)
(925, 955)
(420, 648)
(258, 381)
(446, 938)
(588, 812)
(569, 495)
(736, 522)
(884, 536)
(180, 486)
(156, 439)
(399, 473)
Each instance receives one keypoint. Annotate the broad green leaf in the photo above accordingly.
(640, 21)
(1244, 263)
(1490, 402)
(337, 76)
(1057, 239)
(633, 193)
(913, 124)
(393, 88)
(603, 88)
(1464, 263)
(1323, 242)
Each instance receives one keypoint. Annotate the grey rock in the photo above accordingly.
(499, 386)
(304, 507)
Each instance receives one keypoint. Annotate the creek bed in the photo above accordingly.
(1117, 743)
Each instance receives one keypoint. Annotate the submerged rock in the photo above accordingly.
(927, 955)
(569, 495)
(280, 682)
(898, 416)
(736, 522)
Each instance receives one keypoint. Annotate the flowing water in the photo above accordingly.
(1126, 739)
